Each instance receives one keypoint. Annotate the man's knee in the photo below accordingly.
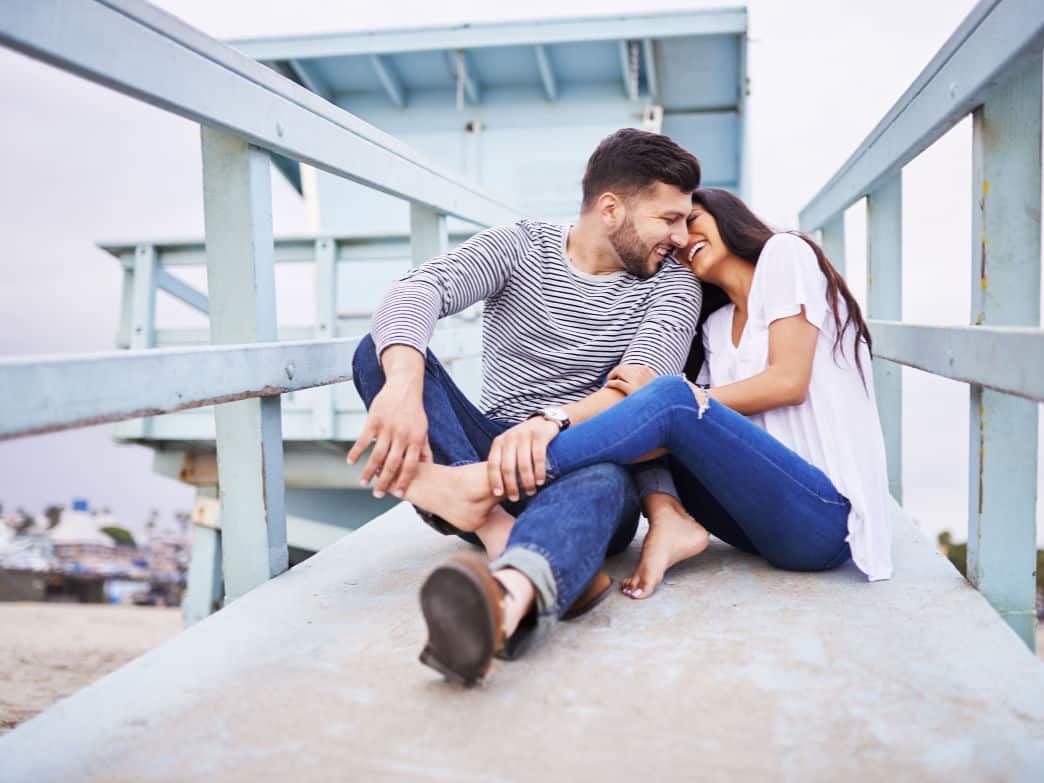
(613, 492)
(614, 477)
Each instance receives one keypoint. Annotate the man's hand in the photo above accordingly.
(397, 427)
(521, 452)
(629, 378)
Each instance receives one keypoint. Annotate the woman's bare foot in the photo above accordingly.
(673, 536)
(460, 495)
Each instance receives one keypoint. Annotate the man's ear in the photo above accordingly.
(611, 209)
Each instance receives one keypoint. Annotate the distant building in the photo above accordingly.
(66, 554)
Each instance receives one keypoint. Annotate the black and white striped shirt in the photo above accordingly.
(550, 331)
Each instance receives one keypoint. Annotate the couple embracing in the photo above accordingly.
(669, 353)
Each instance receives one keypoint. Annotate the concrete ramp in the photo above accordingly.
(733, 671)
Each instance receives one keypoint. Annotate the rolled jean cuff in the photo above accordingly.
(653, 478)
(538, 570)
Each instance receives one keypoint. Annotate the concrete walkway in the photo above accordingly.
(732, 672)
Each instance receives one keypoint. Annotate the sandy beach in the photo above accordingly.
(51, 650)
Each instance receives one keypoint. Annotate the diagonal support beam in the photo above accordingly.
(649, 63)
(181, 290)
(307, 75)
(547, 72)
(392, 86)
(629, 68)
(466, 80)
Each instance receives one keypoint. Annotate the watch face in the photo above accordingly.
(555, 414)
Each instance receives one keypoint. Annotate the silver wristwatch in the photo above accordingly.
(555, 414)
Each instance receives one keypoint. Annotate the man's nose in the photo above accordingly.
(679, 236)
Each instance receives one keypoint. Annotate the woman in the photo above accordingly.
(782, 455)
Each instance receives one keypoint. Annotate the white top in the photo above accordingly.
(836, 428)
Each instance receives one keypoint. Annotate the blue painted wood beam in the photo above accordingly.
(308, 77)
(994, 38)
(973, 354)
(672, 24)
(460, 68)
(179, 289)
(628, 70)
(649, 62)
(65, 392)
(547, 72)
(218, 86)
(389, 81)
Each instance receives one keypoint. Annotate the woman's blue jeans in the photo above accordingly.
(742, 484)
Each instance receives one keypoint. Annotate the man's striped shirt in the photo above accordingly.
(551, 332)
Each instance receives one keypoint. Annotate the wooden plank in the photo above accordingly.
(237, 204)
(995, 38)
(204, 589)
(325, 327)
(1006, 277)
(606, 27)
(389, 81)
(182, 291)
(64, 392)
(972, 354)
(428, 236)
(547, 72)
(123, 331)
(220, 87)
(628, 69)
(884, 287)
(143, 324)
(833, 241)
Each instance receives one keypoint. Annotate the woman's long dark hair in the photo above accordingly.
(745, 235)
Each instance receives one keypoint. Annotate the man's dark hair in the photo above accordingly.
(631, 160)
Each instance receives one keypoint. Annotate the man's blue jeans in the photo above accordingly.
(742, 484)
(564, 532)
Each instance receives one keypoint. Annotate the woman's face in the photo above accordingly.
(704, 249)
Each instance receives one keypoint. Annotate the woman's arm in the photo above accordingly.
(792, 346)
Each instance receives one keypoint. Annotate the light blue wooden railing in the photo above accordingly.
(990, 68)
(245, 111)
(370, 262)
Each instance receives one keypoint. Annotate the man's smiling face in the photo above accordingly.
(653, 227)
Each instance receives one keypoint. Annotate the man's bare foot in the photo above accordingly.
(496, 530)
(460, 495)
(673, 536)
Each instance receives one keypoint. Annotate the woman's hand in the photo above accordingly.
(629, 378)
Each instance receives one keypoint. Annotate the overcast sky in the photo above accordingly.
(82, 164)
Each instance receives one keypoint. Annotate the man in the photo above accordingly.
(563, 306)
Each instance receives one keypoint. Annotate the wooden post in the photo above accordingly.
(428, 234)
(834, 241)
(142, 325)
(204, 591)
(884, 299)
(1006, 165)
(240, 272)
(323, 414)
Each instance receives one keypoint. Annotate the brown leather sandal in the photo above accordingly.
(463, 606)
(597, 590)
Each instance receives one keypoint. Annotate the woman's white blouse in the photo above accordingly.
(836, 428)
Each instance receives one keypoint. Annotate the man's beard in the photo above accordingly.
(633, 255)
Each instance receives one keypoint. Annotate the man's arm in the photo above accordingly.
(518, 456)
(396, 424)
